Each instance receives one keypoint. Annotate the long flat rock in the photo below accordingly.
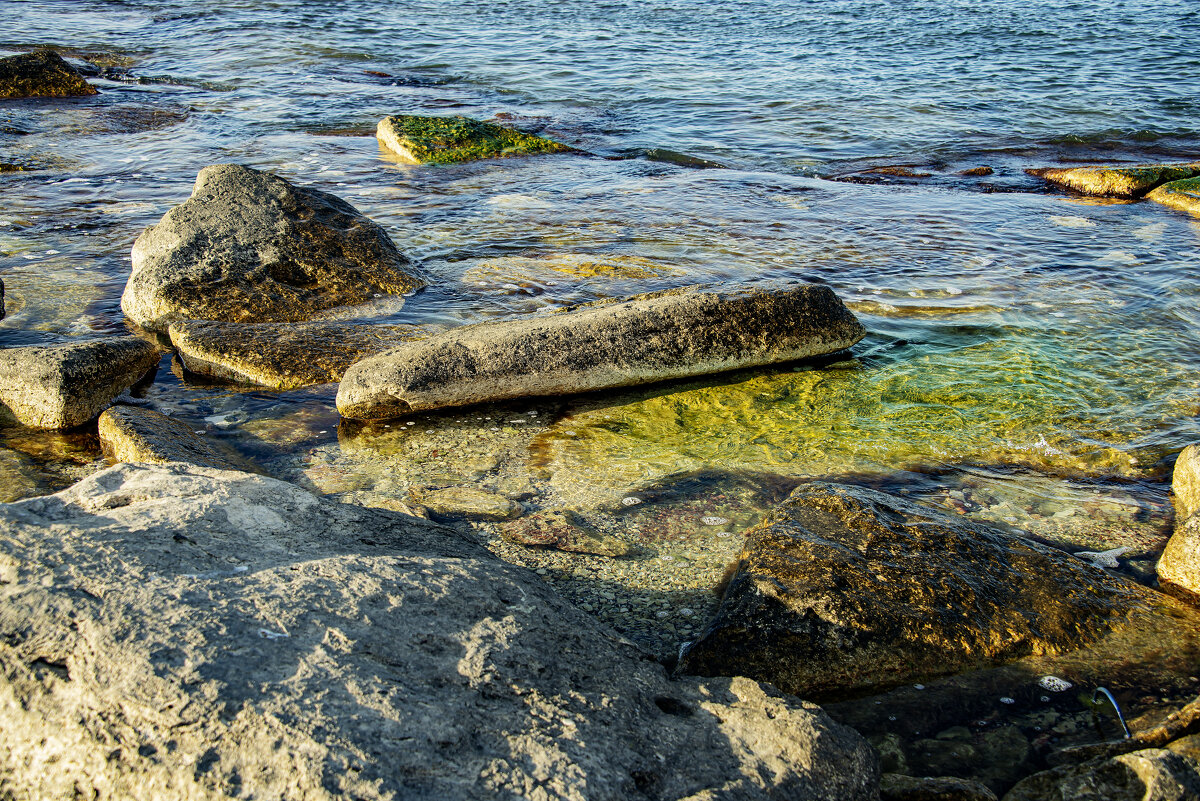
(647, 338)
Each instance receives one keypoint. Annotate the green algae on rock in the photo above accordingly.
(1119, 182)
(42, 73)
(643, 339)
(1183, 195)
(283, 356)
(844, 590)
(249, 247)
(451, 140)
(133, 434)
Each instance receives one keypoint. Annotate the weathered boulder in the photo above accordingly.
(1179, 564)
(133, 434)
(1183, 195)
(1152, 774)
(465, 503)
(61, 386)
(842, 590)
(898, 787)
(250, 247)
(1125, 182)
(41, 73)
(646, 338)
(283, 356)
(450, 140)
(172, 632)
(563, 530)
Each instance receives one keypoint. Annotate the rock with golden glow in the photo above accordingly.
(1122, 182)
(42, 73)
(133, 434)
(1179, 564)
(1182, 195)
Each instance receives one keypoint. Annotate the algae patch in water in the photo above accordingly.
(450, 140)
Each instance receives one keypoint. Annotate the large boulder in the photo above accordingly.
(844, 590)
(1179, 565)
(41, 73)
(61, 386)
(134, 434)
(449, 140)
(250, 247)
(1122, 182)
(1152, 774)
(172, 632)
(1182, 195)
(646, 338)
(283, 356)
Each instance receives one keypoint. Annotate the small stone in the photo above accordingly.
(455, 503)
(131, 434)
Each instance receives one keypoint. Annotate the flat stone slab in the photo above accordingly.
(283, 355)
(450, 140)
(133, 434)
(62, 386)
(42, 73)
(249, 247)
(1122, 182)
(1182, 195)
(177, 632)
(844, 590)
(465, 503)
(647, 338)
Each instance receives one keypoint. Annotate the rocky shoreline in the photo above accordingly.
(233, 634)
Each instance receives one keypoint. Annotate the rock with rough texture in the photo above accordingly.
(1182, 195)
(1, 299)
(283, 357)
(653, 337)
(61, 386)
(17, 477)
(1179, 564)
(249, 247)
(1149, 775)
(41, 73)
(133, 434)
(897, 787)
(177, 632)
(1124, 182)
(845, 590)
(563, 530)
(458, 503)
(450, 140)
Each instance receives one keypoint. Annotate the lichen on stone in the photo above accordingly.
(451, 140)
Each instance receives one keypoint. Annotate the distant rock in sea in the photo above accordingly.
(42, 73)
(450, 140)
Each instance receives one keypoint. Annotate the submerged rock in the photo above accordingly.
(843, 590)
(1152, 774)
(897, 787)
(283, 357)
(450, 140)
(17, 477)
(132, 434)
(457, 503)
(1124, 182)
(42, 73)
(182, 632)
(646, 338)
(563, 530)
(249, 247)
(61, 386)
(1179, 564)
(1183, 195)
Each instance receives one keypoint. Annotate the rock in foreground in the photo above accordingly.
(1122, 182)
(845, 590)
(450, 140)
(647, 338)
(249, 247)
(62, 386)
(177, 632)
(1182, 195)
(41, 73)
(132, 434)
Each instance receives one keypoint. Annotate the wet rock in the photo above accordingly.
(653, 337)
(182, 632)
(450, 140)
(896, 787)
(1179, 565)
(1182, 195)
(844, 590)
(249, 247)
(42, 73)
(1185, 482)
(563, 530)
(664, 156)
(62, 386)
(283, 357)
(978, 172)
(1148, 775)
(1125, 182)
(132, 434)
(17, 476)
(456, 503)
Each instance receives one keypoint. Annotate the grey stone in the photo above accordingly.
(131, 434)
(1152, 774)
(250, 247)
(646, 338)
(172, 632)
(1179, 565)
(844, 590)
(61, 386)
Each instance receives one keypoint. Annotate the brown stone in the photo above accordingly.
(563, 530)
(42, 73)
(133, 434)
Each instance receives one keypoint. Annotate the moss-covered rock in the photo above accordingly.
(451, 140)
(42, 73)
(1183, 195)
(1123, 182)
